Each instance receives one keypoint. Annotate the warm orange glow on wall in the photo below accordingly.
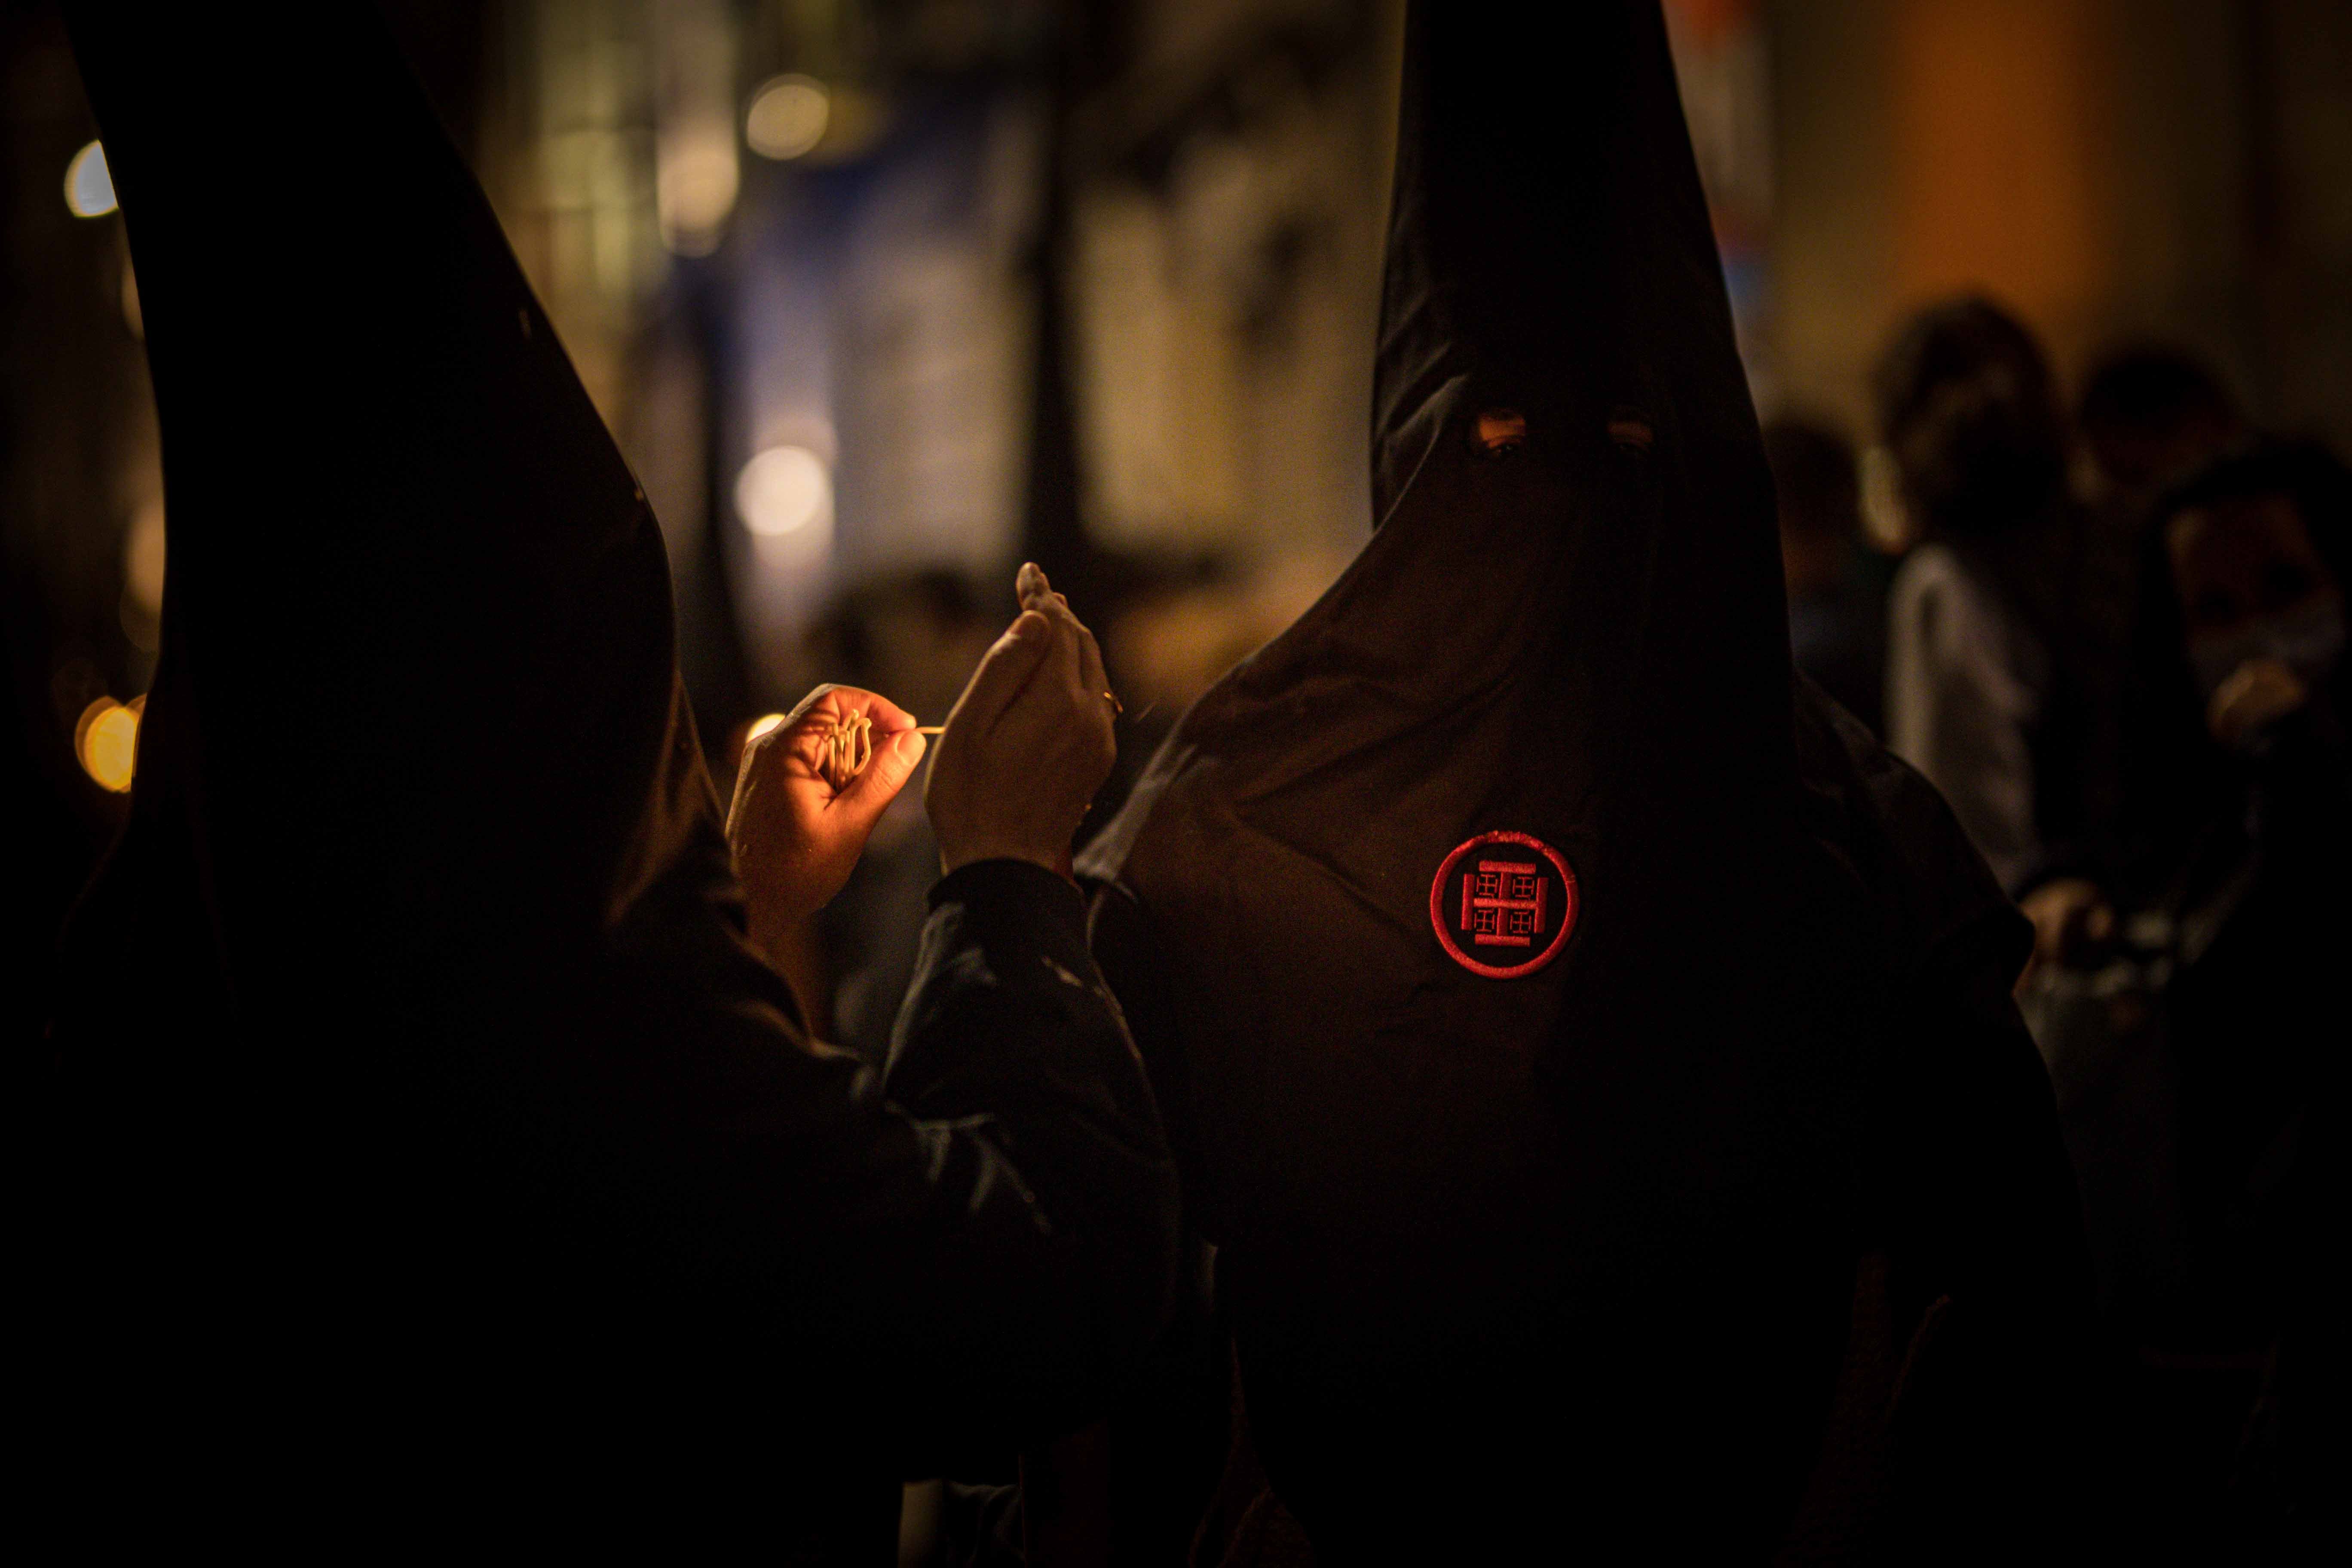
(2003, 156)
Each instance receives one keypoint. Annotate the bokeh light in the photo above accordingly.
(89, 188)
(782, 492)
(106, 740)
(788, 117)
(761, 726)
(695, 183)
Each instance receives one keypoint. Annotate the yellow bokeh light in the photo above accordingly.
(89, 188)
(783, 491)
(787, 117)
(695, 183)
(761, 726)
(107, 743)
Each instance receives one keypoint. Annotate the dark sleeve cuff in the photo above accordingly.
(1023, 900)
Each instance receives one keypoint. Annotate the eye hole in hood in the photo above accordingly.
(1499, 432)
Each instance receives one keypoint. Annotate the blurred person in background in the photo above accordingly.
(1837, 610)
(2150, 415)
(1990, 674)
(2242, 800)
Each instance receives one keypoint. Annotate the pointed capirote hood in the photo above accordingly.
(413, 1057)
(1473, 922)
(1569, 621)
(1551, 259)
(415, 744)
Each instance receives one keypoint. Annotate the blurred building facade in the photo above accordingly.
(1171, 211)
(2111, 169)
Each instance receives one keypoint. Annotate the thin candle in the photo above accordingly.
(845, 748)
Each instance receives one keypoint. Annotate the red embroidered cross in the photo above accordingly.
(1503, 904)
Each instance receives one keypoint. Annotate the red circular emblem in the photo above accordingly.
(1503, 905)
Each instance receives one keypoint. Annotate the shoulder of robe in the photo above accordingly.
(1151, 813)
(1939, 900)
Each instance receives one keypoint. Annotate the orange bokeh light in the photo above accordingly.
(105, 742)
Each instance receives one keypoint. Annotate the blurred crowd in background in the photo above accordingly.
(2114, 643)
(2047, 305)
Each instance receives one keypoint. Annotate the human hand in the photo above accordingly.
(1029, 742)
(795, 837)
(2258, 693)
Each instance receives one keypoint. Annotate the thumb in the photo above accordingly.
(878, 783)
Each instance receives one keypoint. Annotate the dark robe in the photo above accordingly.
(433, 1137)
(1566, 1234)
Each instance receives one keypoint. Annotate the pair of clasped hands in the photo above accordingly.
(1025, 749)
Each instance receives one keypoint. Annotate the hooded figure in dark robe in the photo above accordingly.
(1589, 1055)
(429, 1137)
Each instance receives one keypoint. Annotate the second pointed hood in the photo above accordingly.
(1574, 592)
(1508, 1004)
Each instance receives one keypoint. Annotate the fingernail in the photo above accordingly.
(908, 745)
